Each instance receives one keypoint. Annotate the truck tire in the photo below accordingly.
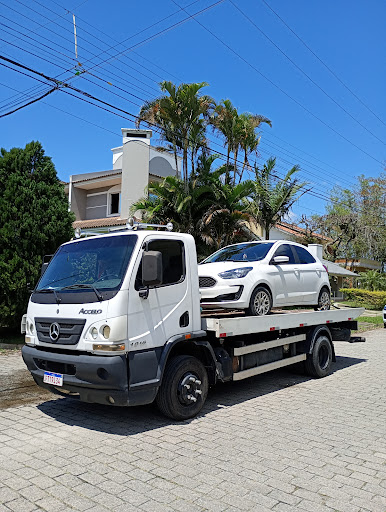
(260, 303)
(318, 363)
(324, 300)
(184, 388)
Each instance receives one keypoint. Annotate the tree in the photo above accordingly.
(212, 211)
(355, 220)
(34, 220)
(181, 115)
(272, 197)
(239, 133)
(373, 280)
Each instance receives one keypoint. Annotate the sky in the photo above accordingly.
(315, 69)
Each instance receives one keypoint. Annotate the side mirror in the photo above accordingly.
(46, 259)
(152, 268)
(277, 260)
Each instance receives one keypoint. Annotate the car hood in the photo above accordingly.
(213, 269)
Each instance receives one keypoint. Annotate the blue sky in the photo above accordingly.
(347, 36)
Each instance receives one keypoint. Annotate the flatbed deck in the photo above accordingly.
(238, 326)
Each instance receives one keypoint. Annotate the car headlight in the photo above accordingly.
(235, 273)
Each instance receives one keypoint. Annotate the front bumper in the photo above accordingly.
(224, 297)
(90, 378)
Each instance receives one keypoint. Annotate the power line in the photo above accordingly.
(304, 73)
(322, 62)
(30, 102)
(63, 86)
(282, 90)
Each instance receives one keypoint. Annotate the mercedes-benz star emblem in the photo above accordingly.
(54, 331)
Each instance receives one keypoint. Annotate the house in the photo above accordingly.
(337, 274)
(103, 199)
(360, 264)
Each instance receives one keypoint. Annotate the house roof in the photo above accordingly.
(293, 229)
(99, 223)
(337, 270)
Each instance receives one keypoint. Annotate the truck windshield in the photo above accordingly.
(241, 252)
(95, 263)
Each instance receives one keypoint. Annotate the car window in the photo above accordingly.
(241, 252)
(173, 262)
(285, 250)
(303, 255)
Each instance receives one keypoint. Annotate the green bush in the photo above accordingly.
(365, 297)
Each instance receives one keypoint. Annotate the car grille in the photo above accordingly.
(206, 282)
(69, 330)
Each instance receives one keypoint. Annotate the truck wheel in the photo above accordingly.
(260, 303)
(318, 364)
(324, 300)
(184, 388)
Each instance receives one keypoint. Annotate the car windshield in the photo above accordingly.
(241, 252)
(95, 263)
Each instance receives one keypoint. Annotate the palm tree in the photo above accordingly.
(273, 197)
(178, 115)
(249, 139)
(238, 131)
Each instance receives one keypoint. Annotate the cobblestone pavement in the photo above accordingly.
(279, 442)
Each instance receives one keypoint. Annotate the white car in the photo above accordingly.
(384, 317)
(257, 276)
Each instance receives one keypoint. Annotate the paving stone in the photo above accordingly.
(279, 442)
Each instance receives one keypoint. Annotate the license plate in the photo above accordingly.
(56, 379)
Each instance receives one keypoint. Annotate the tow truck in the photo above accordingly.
(115, 319)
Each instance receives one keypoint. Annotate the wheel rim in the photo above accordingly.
(323, 357)
(262, 303)
(324, 301)
(189, 389)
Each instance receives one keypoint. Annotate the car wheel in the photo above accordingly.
(260, 303)
(184, 388)
(324, 300)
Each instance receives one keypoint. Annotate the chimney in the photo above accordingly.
(129, 134)
(316, 250)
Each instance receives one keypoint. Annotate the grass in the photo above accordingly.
(353, 304)
(367, 323)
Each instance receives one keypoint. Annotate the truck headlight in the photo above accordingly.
(105, 330)
(94, 333)
(235, 273)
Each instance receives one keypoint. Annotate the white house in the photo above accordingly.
(104, 198)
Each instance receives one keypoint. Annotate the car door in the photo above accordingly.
(286, 278)
(155, 319)
(311, 272)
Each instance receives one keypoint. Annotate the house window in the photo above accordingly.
(114, 201)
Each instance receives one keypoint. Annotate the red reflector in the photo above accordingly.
(350, 318)
(223, 335)
(301, 325)
(272, 328)
(328, 321)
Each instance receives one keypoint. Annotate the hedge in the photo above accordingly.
(365, 297)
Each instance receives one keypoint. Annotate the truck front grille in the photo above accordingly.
(206, 282)
(70, 330)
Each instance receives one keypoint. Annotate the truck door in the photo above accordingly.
(286, 277)
(164, 313)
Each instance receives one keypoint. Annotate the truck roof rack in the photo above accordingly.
(131, 224)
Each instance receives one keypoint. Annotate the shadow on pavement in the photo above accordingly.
(128, 421)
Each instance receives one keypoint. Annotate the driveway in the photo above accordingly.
(280, 442)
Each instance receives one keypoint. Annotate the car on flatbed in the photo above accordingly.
(259, 276)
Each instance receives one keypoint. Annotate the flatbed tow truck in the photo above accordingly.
(115, 319)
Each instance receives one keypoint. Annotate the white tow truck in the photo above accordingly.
(116, 319)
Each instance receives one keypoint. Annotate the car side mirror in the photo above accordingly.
(46, 259)
(277, 260)
(151, 268)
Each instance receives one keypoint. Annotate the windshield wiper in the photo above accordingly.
(89, 286)
(51, 290)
